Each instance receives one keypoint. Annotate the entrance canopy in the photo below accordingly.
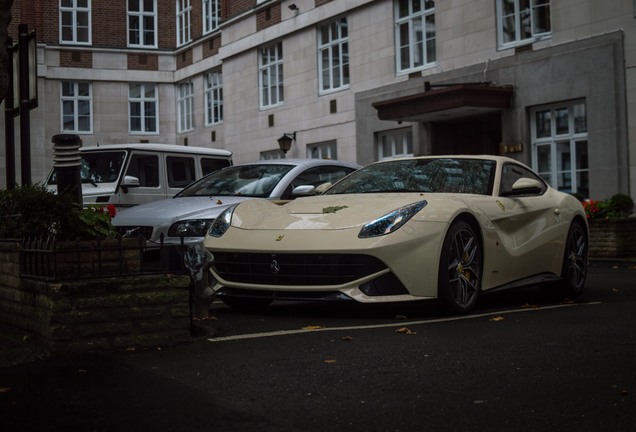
(447, 103)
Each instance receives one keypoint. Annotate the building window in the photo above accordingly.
(77, 107)
(142, 103)
(522, 21)
(333, 56)
(213, 98)
(324, 150)
(142, 23)
(272, 154)
(395, 143)
(559, 146)
(75, 22)
(271, 75)
(414, 34)
(186, 107)
(211, 15)
(184, 9)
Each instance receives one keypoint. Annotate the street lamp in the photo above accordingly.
(285, 141)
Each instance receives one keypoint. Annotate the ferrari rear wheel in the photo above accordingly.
(460, 268)
(574, 269)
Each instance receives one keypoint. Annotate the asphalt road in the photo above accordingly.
(519, 363)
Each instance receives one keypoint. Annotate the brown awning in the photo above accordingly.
(446, 103)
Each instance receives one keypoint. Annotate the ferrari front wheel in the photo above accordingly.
(460, 268)
(574, 269)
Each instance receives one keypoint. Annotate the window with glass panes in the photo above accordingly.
(184, 10)
(414, 34)
(142, 23)
(77, 104)
(185, 105)
(333, 55)
(395, 143)
(522, 21)
(560, 146)
(142, 103)
(271, 75)
(213, 82)
(211, 15)
(75, 21)
(324, 150)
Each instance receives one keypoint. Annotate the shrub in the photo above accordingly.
(32, 211)
(616, 207)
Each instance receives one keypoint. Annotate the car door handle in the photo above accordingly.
(557, 212)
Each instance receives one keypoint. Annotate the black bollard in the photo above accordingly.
(66, 162)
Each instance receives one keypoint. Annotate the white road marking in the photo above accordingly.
(396, 324)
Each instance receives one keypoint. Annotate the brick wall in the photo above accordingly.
(613, 238)
(94, 314)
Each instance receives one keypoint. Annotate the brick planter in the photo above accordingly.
(613, 238)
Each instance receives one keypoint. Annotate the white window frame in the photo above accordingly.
(323, 150)
(516, 17)
(211, 15)
(213, 82)
(185, 107)
(141, 16)
(270, 75)
(399, 143)
(71, 7)
(144, 101)
(78, 102)
(333, 56)
(272, 154)
(421, 54)
(562, 173)
(184, 22)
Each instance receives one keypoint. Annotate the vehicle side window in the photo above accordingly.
(510, 173)
(317, 176)
(180, 171)
(209, 165)
(145, 168)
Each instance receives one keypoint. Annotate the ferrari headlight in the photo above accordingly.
(222, 222)
(190, 228)
(391, 221)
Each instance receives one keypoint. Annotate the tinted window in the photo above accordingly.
(209, 165)
(510, 173)
(317, 176)
(180, 171)
(145, 168)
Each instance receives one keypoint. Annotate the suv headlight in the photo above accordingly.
(222, 222)
(391, 221)
(190, 228)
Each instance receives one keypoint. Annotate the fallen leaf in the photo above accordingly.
(82, 371)
(567, 301)
(131, 349)
(347, 338)
(329, 361)
(499, 318)
(624, 392)
(5, 389)
(405, 330)
(401, 317)
(313, 327)
(529, 306)
(616, 290)
(219, 202)
(210, 318)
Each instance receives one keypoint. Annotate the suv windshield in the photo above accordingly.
(446, 175)
(247, 180)
(98, 167)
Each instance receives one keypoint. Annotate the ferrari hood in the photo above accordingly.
(320, 212)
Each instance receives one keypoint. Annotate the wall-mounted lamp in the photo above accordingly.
(293, 7)
(285, 141)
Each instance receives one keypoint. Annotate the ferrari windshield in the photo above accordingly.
(258, 180)
(98, 167)
(443, 175)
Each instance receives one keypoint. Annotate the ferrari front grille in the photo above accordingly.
(294, 269)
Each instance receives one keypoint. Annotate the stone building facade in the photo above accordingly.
(552, 85)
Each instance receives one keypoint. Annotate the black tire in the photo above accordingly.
(460, 268)
(574, 270)
(246, 302)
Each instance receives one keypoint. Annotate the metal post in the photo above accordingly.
(9, 121)
(25, 120)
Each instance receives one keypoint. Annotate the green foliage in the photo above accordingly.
(32, 211)
(616, 207)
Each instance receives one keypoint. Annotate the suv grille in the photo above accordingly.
(294, 269)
